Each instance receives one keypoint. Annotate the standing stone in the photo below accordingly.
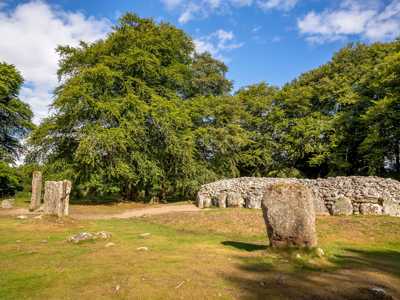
(342, 207)
(289, 215)
(203, 200)
(36, 197)
(234, 199)
(391, 208)
(56, 197)
(222, 200)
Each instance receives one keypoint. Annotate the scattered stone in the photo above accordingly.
(56, 197)
(298, 256)
(40, 209)
(88, 236)
(144, 234)
(7, 203)
(38, 217)
(22, 217)
(36, 197)
(117, 288)
(142, 249)
(289, 215)
(104, 235)
(379, 293)
(319, 252)
(280, 279)
(262, 283)
(342, 207)
(108, 245)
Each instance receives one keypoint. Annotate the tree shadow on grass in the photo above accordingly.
(350, 276)
(245, 246)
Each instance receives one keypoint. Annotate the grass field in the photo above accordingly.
(215, 254)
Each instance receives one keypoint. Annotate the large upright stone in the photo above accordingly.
(342, 207)
(56, 197)
(234, 199)
(289, 215)
(36, 197)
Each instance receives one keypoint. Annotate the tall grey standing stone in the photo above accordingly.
(36, 197)
(56, 197)
(289, 215)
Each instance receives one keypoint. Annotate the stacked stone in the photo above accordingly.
(335, 195)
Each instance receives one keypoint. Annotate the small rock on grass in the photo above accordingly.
(379, 293)
(89, 236)
(142, 249)
(108, 245)
(7, 203)
(319, 252)
(22, 217)
(144, 234)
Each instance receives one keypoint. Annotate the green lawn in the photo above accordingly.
(216, 254)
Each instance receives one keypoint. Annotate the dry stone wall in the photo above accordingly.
(335, 195)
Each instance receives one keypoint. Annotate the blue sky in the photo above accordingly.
(260, 40)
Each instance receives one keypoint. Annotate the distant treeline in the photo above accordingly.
(141, 114)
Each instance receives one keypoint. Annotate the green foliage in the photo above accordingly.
(15, 116)
(10, 180)
(141, 114)
(121, 125)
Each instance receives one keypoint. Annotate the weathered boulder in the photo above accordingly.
(56, 197)
(36, 197)
(342, 207)
(89, 236)
(7, 203)
(289, 215)
(234, 200)
(391, 208)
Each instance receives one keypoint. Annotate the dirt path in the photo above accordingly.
(134, 213)
(131, 213)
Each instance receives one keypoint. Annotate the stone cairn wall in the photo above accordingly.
(335, 195)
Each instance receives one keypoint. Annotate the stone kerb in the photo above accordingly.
(335, 195)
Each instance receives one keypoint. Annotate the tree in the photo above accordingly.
(121, 123)
(15, 115)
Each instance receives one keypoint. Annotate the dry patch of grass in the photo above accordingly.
(216, 254)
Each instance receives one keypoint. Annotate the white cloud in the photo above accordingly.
(29, 35)
(371, 20)
(197, 9)
(217, 43)
(171, 4)
(277, 4)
